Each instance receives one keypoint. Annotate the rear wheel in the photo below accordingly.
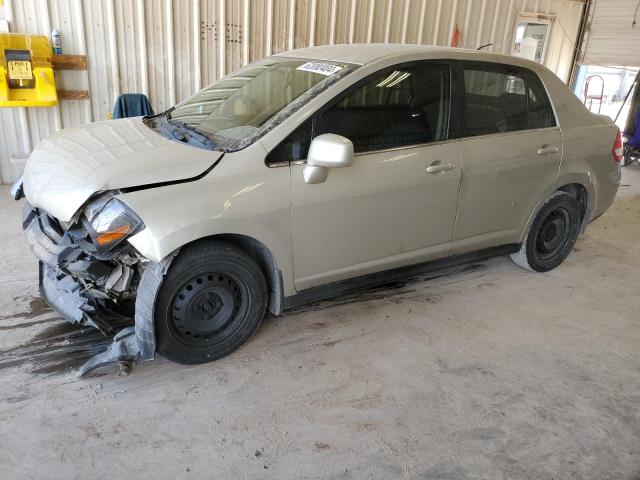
(211, 301)
(552, 234)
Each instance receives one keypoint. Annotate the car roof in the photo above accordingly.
(361, 53)
(364, 53)
(570, 111)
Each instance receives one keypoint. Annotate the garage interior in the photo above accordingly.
(482, 371)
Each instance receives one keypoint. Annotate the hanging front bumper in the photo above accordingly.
(80, 286)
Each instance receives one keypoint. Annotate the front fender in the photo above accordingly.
(241, 197)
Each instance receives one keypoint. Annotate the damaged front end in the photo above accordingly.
(91, 275)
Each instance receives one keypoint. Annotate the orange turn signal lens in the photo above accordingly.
(110, 237)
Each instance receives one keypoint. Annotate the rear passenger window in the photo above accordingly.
(499, 99)
(540, 111)
(495, 102)
(400, 107)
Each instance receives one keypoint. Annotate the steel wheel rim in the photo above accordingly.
(553, 234)
(204, 307)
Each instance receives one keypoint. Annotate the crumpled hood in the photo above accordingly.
(69, 166)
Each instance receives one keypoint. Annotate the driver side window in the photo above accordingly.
(400, 107)
(293, 148)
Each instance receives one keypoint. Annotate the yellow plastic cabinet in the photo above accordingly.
(26, 73)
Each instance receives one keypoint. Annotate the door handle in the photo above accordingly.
(437, 167)
(546, 150)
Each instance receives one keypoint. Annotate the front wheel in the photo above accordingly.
(211, 301)
(552, 234)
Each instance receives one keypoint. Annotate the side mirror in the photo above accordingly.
(327, 151)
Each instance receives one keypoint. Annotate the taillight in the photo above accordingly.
(618, 151)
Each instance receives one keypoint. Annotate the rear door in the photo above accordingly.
(386, 210)
(511, 152)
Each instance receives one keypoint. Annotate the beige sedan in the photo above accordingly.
(305, 175)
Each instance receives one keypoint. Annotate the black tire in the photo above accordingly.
(552, 234)
(211, 301)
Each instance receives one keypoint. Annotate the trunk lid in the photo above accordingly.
(70, 166)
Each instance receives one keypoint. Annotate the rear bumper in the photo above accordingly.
(606, 192)
(602, 209)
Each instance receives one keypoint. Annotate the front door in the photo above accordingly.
(396, 204)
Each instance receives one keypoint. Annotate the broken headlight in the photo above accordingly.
(109, 221)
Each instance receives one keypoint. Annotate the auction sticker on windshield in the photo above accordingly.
(321, 68)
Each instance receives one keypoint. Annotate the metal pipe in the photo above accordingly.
(113, 48)
(292, 27)
(332, 19)
(453, 21)
(222, 40)
(437, 22)
(269, 33)
(246, 27)
(171, 76)
(197, 62)
(142, 46)
(423, 8)
(352, 20)
(387, 28)
(312, 23)
(494, 23)
(372, 8)
(82, 41)
(405, 21)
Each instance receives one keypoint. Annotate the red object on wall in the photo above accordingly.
(456, 37)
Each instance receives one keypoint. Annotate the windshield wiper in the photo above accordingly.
(183, 132)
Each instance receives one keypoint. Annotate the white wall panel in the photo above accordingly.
(612, 40)
(169, 49)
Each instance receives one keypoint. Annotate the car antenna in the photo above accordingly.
(484, 46)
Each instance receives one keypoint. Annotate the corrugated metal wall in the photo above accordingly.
(169, 49)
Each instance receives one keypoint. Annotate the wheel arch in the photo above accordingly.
(265, 259)
(577, 186)
(579, 191)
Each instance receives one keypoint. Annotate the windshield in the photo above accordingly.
(238, 109)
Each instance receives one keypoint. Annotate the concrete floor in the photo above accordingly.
(486, 372)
